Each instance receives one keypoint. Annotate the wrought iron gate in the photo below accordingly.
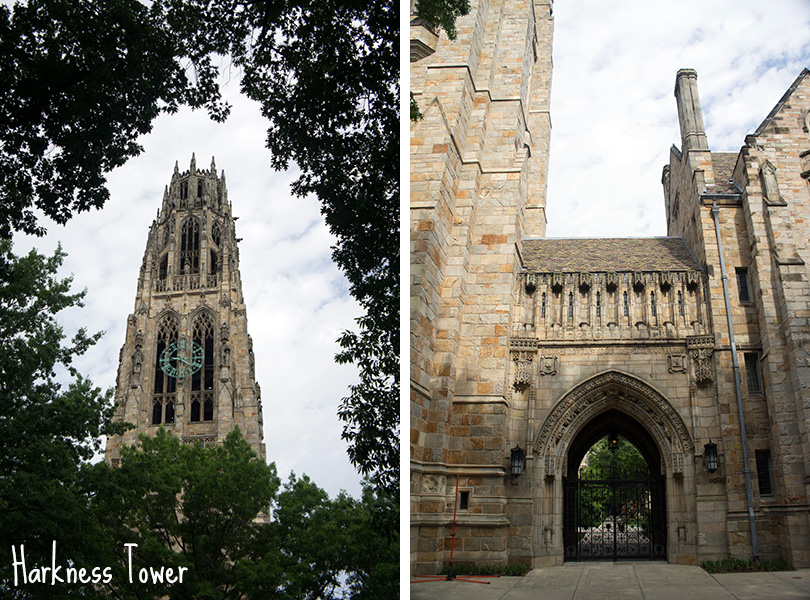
(614, 519)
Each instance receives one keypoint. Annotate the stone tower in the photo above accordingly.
(187, 363)
(479, 162)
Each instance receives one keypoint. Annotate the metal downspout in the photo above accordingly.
(737, 386)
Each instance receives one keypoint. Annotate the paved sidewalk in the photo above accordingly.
(620, 581)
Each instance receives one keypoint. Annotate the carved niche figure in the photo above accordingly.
(137, 360)
(770, 184)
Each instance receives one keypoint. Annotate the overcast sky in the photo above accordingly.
(297, 301)
(613, 108)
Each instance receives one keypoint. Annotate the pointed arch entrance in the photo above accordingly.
(610, 514)
(639, 413)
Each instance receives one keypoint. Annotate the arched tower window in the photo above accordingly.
(680, 303)
(190, 246)
(202, 382)
(598, 304)
(183, 190)
(165, 388)
(626, 306)
(216, 233)
(652, 303)
(543, 306)
(199, 188)
(570, 305)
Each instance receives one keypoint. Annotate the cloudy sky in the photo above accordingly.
(613, 108)
(297, 301)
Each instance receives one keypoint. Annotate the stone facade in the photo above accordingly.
(189, 312)
(517, 340)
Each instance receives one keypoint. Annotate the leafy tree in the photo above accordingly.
(47, 432)
(80, 81)
(218, 512)
(185, 506)
(623, 462)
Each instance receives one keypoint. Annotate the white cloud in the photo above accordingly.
(613, 108)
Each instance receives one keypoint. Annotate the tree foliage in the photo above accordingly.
(48, 431)
(218, 512)
(81, 80)
(623, 462)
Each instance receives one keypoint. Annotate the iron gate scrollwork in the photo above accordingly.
(614, 519)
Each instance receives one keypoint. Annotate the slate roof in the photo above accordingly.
(599, 255)
(723, 164)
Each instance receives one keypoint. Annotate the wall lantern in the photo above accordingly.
(613, 439)
(518, 460)
(710, 452)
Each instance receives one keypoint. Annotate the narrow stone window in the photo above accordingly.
(464, 500)
(543, 306)
(199, 188)
(742, 285)
(202, 381)
(626, 306)
(680, 303)
(763, 459)
(163, 269)
(190, 246)
(183, 190)
(157, 412)
(570, 305)
(598, 305)
(652, 304)
(214, 262)
(752, 373)
(169, 412)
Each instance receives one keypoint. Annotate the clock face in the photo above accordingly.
(181, 359)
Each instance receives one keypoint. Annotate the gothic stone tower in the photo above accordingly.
(478, 185)
(187, 363)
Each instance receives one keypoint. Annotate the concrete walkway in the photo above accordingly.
(621, 580)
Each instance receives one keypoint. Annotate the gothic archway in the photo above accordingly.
(651, 422)
(599, 394)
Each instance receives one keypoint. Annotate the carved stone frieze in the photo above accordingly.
(613, 389)
(676, 363)
(548, 365)
(611, 281)
(531, 283)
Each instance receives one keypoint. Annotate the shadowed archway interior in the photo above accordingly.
(618, 518)
(627, 427)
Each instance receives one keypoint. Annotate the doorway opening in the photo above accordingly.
(614, 500)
